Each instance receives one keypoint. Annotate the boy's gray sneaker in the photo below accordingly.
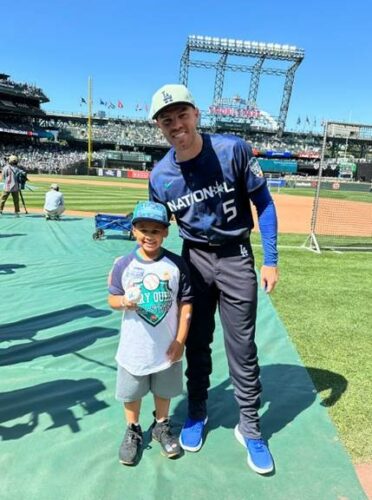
(161, 431)
(131, 445)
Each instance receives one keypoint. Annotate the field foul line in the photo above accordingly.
(298, 247)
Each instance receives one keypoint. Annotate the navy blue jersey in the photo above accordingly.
(209, 194)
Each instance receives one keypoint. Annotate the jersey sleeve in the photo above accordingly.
(245, 160)
(267, 221)
(115, 286)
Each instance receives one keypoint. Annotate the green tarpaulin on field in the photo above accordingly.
(61, 427)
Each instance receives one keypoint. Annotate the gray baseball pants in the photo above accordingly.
(224, 276)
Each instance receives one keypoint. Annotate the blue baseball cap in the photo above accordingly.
(150, 211)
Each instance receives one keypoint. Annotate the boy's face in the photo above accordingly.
(149, 236)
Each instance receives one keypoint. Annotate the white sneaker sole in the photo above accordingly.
(254, 467)
(192, 448)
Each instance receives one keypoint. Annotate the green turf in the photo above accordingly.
(88, 197)
(325, 303)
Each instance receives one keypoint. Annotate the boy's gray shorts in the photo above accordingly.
(165, 384)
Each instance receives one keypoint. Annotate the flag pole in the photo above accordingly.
(89, 123)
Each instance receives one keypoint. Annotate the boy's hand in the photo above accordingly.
(175, 351)
(127, 304)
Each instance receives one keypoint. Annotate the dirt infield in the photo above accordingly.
(294, 212)
(36, 178)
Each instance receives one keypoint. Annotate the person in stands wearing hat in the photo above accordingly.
(54, 205)
(11, 184)
(151, 286)
(208, 181)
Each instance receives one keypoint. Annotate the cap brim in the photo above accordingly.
(172, 104)
(149, 219)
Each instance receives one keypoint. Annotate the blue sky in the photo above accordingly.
(130, 48)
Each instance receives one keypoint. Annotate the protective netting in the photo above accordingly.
(342, 208)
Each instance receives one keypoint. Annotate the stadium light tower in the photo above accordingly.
(260, 51)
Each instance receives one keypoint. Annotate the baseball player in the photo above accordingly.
(207, 183)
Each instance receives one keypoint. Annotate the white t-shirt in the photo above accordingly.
(53, 200)
(147, 333)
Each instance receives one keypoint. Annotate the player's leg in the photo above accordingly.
(200, 337)
(237, 281)
(198, 345)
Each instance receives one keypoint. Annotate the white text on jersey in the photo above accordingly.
(197, 196)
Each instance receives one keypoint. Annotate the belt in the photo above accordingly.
(211, 244)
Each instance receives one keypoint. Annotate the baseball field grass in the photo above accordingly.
(323, 300)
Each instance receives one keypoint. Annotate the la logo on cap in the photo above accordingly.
(167, 97)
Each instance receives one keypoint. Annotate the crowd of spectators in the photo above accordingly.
(129, 133)
(45, 158)
(132, 133)
(25, 88)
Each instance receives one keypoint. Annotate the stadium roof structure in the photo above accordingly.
(260, 51)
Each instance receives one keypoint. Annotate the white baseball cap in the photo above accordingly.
(167, 96)
(54, 186)
(13, 159)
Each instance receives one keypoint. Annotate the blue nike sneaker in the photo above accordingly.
(191, 437)
(259, 458)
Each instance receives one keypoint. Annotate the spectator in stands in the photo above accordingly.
(11, 185)
(54, 205)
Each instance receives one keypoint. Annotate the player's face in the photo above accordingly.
(149, 236)
(178, 124)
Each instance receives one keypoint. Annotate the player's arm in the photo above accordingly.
(268, 224)
(175, 350)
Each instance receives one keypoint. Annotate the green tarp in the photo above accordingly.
(61, 426)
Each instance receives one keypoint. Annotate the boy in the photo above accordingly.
(152, 286)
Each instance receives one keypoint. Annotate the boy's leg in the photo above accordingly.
(129, 390)
(165, 385)
(161, 408)
(132, 411)
(132, 442)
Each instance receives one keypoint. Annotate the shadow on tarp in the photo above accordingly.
(287, 392)
(12, 235)
(28, 328)
(56, 399)
(123, 237)
(62, 219)
(55, 346)
(9, 268)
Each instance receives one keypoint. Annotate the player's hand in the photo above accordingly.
(175, 351)
(269, 278)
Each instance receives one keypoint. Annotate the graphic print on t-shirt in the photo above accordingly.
(156, 298)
